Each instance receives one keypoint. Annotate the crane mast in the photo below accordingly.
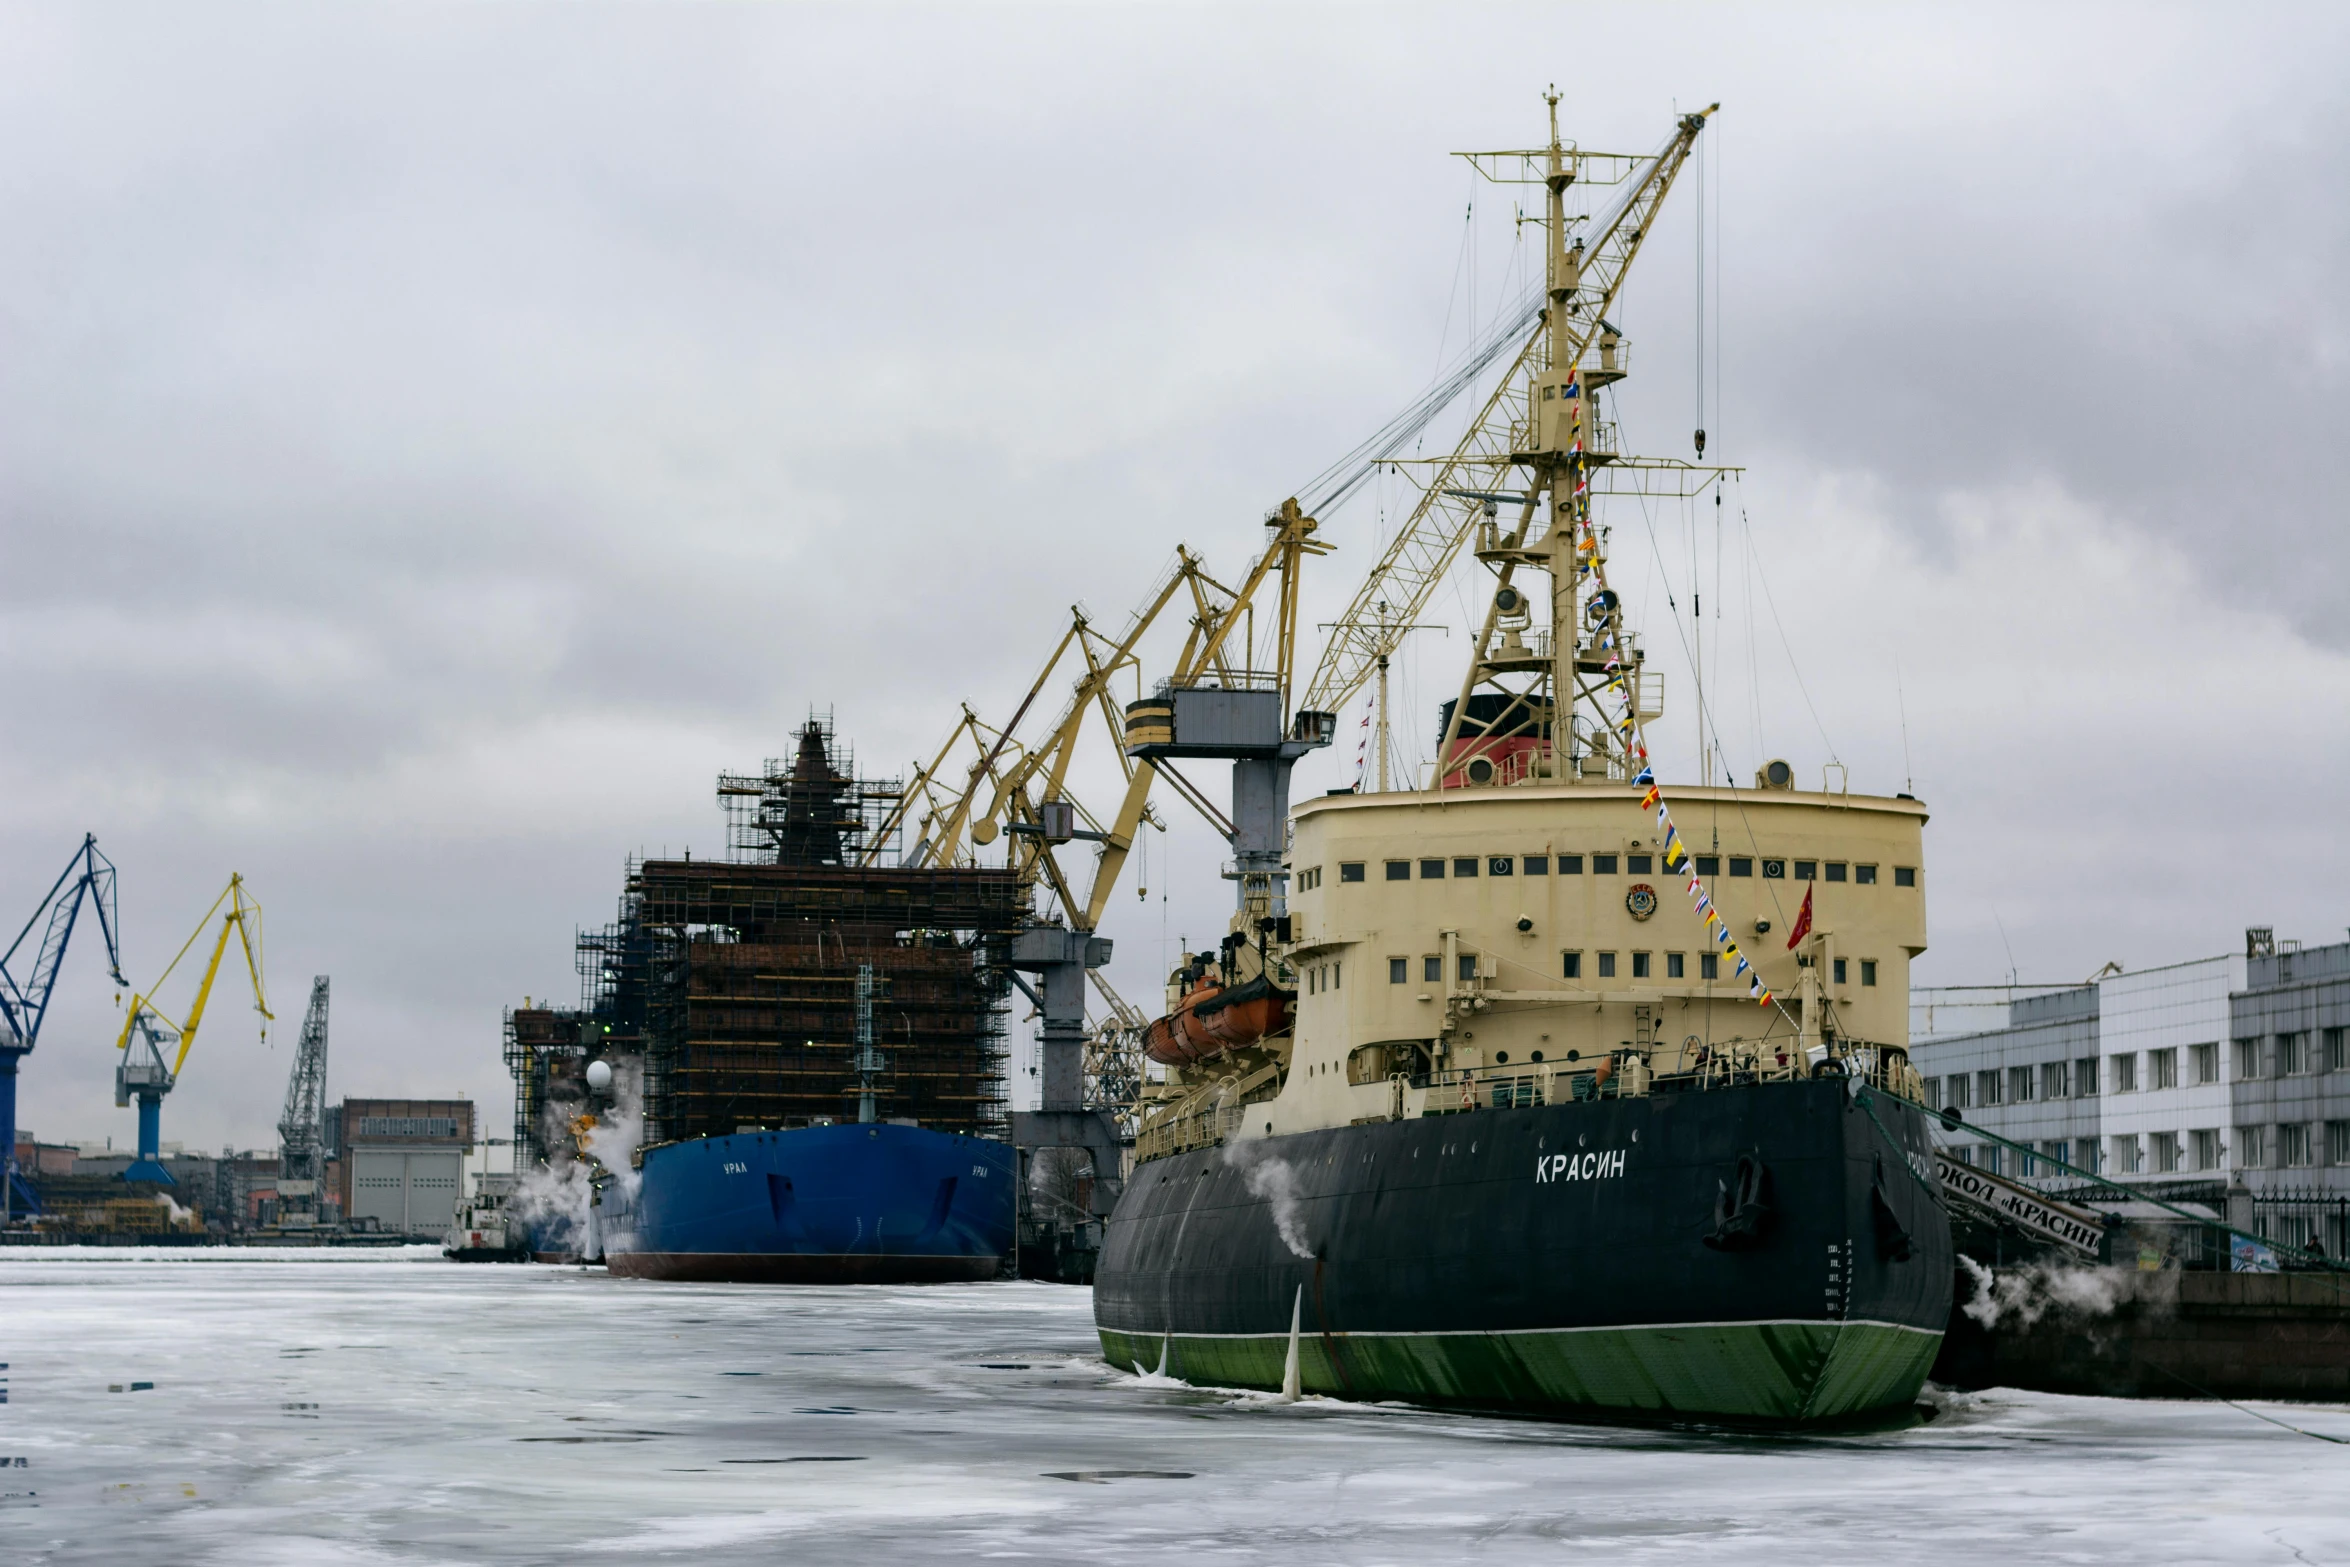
(301, 1128)
(24, 1003)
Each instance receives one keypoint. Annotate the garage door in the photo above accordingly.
(410, 1191)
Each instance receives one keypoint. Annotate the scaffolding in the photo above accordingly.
(734, 981)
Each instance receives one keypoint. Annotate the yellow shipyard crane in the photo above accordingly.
(143, 1074)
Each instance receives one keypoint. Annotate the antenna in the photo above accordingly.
(1909, 781)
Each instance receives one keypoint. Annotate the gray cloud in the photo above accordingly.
(433, 441)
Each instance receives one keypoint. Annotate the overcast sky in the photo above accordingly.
(436, 439)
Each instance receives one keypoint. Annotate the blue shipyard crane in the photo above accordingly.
(143, 1074)
(24, 1001)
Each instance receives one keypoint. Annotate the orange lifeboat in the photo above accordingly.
(1213, 1018)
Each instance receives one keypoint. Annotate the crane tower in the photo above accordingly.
(301, 1131)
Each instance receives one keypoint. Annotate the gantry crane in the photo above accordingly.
(143, 1075)
(24, 1002)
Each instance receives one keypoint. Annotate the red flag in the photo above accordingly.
(1802, 922)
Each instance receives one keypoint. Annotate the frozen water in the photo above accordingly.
(389, 1408)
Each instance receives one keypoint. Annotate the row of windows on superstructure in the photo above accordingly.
(2286, 1055)
(1709, 966)
(1434, 868)
(2286, 1145)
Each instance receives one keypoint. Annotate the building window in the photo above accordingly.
(2085, 1078)
(2125, 1073)
(1607, 965)
(1960, 1099)
(1807, 870)
(2247, 1059)
(1865, 875)
(1501, 864)
(1966, 1154)
(1640, 864)
(2206, 1059)
(1538, 865)
(1740, 865)
(1709, 965)
(1774, 870)
(1933, 1093)
(2162, 1068)
(1987, 1087)
(2293, 1150)
(1431, 970)
(2164, 1148)
(2019, 1085)
(2335, 1050)
(1399, 870)
(1905, 875)
(1709, 865)
(1835, 870)
(1465, 966)
(1990, 1159)
(2056, 1152)
(1676, 966)
(1640, 965)
(1464, 865)
(2338, 1142)
(1399, 971)
(1350, 871)
(2123, 1147)
(1574, 965)
(2251, 1148)
(1570, 865)
(2205, 1145)
(2292, 1054)
(1868, 971)
(1839, 971)
(1431, 870)
(1603, 865)
(2053, 1080)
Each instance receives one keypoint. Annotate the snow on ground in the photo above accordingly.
(248, 1410)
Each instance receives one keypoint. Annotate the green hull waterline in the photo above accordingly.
(1795, 1372)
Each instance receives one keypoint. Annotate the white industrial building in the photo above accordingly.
(2219, 1081)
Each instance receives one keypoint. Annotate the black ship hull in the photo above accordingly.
(1774, 1252)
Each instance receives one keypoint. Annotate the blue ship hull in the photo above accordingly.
(843, 1204)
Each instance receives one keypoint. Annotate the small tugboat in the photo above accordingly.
(1462, 1110)
(486, 1229)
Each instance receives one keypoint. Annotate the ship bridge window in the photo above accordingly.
(1467, 963)
(1640, 965)
(1431, 870)
(1866, 875)
(1538, 865)
(1500, 865)
(1398, 970)
(1399, 870)
(1709, 865)
(1807, 870)
(1607, 965)
(1573, 965)
(1432, 970)
(1464, 865)
(1840, 971)
(1640, 864)
(1709, 965)
(1740, 865)
(1868, 971)
(1570, 865)
(1676, 966)
(1905, 875)
(1774, 870)
(1350, 872)
(1836, 870)
(1603, 865)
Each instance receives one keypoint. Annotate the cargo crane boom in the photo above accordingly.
(24, 1003)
